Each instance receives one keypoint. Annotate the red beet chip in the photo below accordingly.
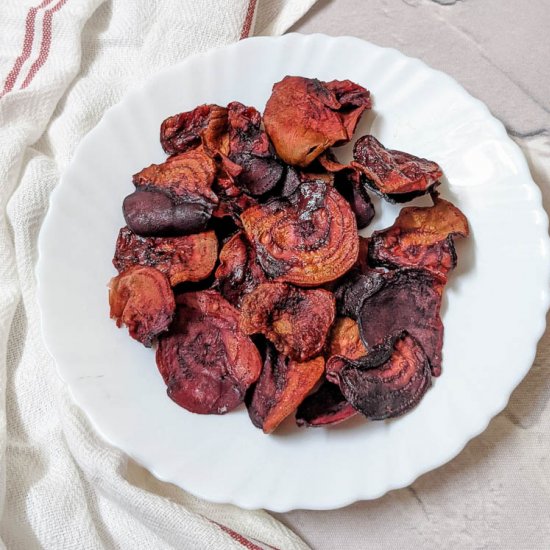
(304, 116)
(205, 361)
(404, 299)
(389, 381)
(395, 175)
(141, 299)
(421, 237)
(307, 239)
(282, 386)
(297, 321)
(206, 125)
(186, 258)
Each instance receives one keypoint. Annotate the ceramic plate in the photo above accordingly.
(494, 307)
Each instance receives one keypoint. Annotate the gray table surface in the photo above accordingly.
(496, 493)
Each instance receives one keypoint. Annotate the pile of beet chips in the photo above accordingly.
(241, 260)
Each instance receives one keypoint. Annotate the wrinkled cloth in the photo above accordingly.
(62, 64)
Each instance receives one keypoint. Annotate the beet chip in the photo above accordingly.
(324, 407)
(186, 258)
(307, 239)
(327, 405)
(305, 116)
(187, 177)
(282, 386)
(238, 273)
(397, 176)
(297, 321)
(405, 299)
(421, 237)
(345, 339)
(207, 125)
(141, 299)
(204, 360)
(251, 149)
(156, 214)
(389, 381)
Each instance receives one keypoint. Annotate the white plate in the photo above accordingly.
(494, 309)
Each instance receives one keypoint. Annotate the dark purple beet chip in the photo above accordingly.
(405, 299)
(154, 214)
(326, 406)
(389, 381)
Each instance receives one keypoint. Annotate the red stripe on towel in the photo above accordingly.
(249, 545)
(28, 40)
(45, 45)
(247, 26)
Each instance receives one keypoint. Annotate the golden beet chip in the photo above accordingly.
(238, 273)
(206, 125)
(389, 381)
(141, 299)
(307, 239)
(205, 361)
(186, 258)
(305, 116)
(282, 386)
(397, 176)
(421, 237)
(187, 177)
(297, 321)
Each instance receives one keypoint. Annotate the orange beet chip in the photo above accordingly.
(282, 386)
(397, 176)
(297, 321)
(345, 339)
(421, 237)
(307, 239)
(141, 299)
(186, 258)
(187, 177)
(205, 361)
(304, 116)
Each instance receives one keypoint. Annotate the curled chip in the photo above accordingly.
(305, 116)
(397, 176)
(345, 339)
(307, 239)
(297, 321)
(251, 149)
(421, 237)
(205, 361)
(154, 213)
(238, 273)
(349, 183)
(206, 125)
(141, 299)
(282, 386)
(187, 177)
(405, 299)
(326, 406)
(389, 381)
(186, 258)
